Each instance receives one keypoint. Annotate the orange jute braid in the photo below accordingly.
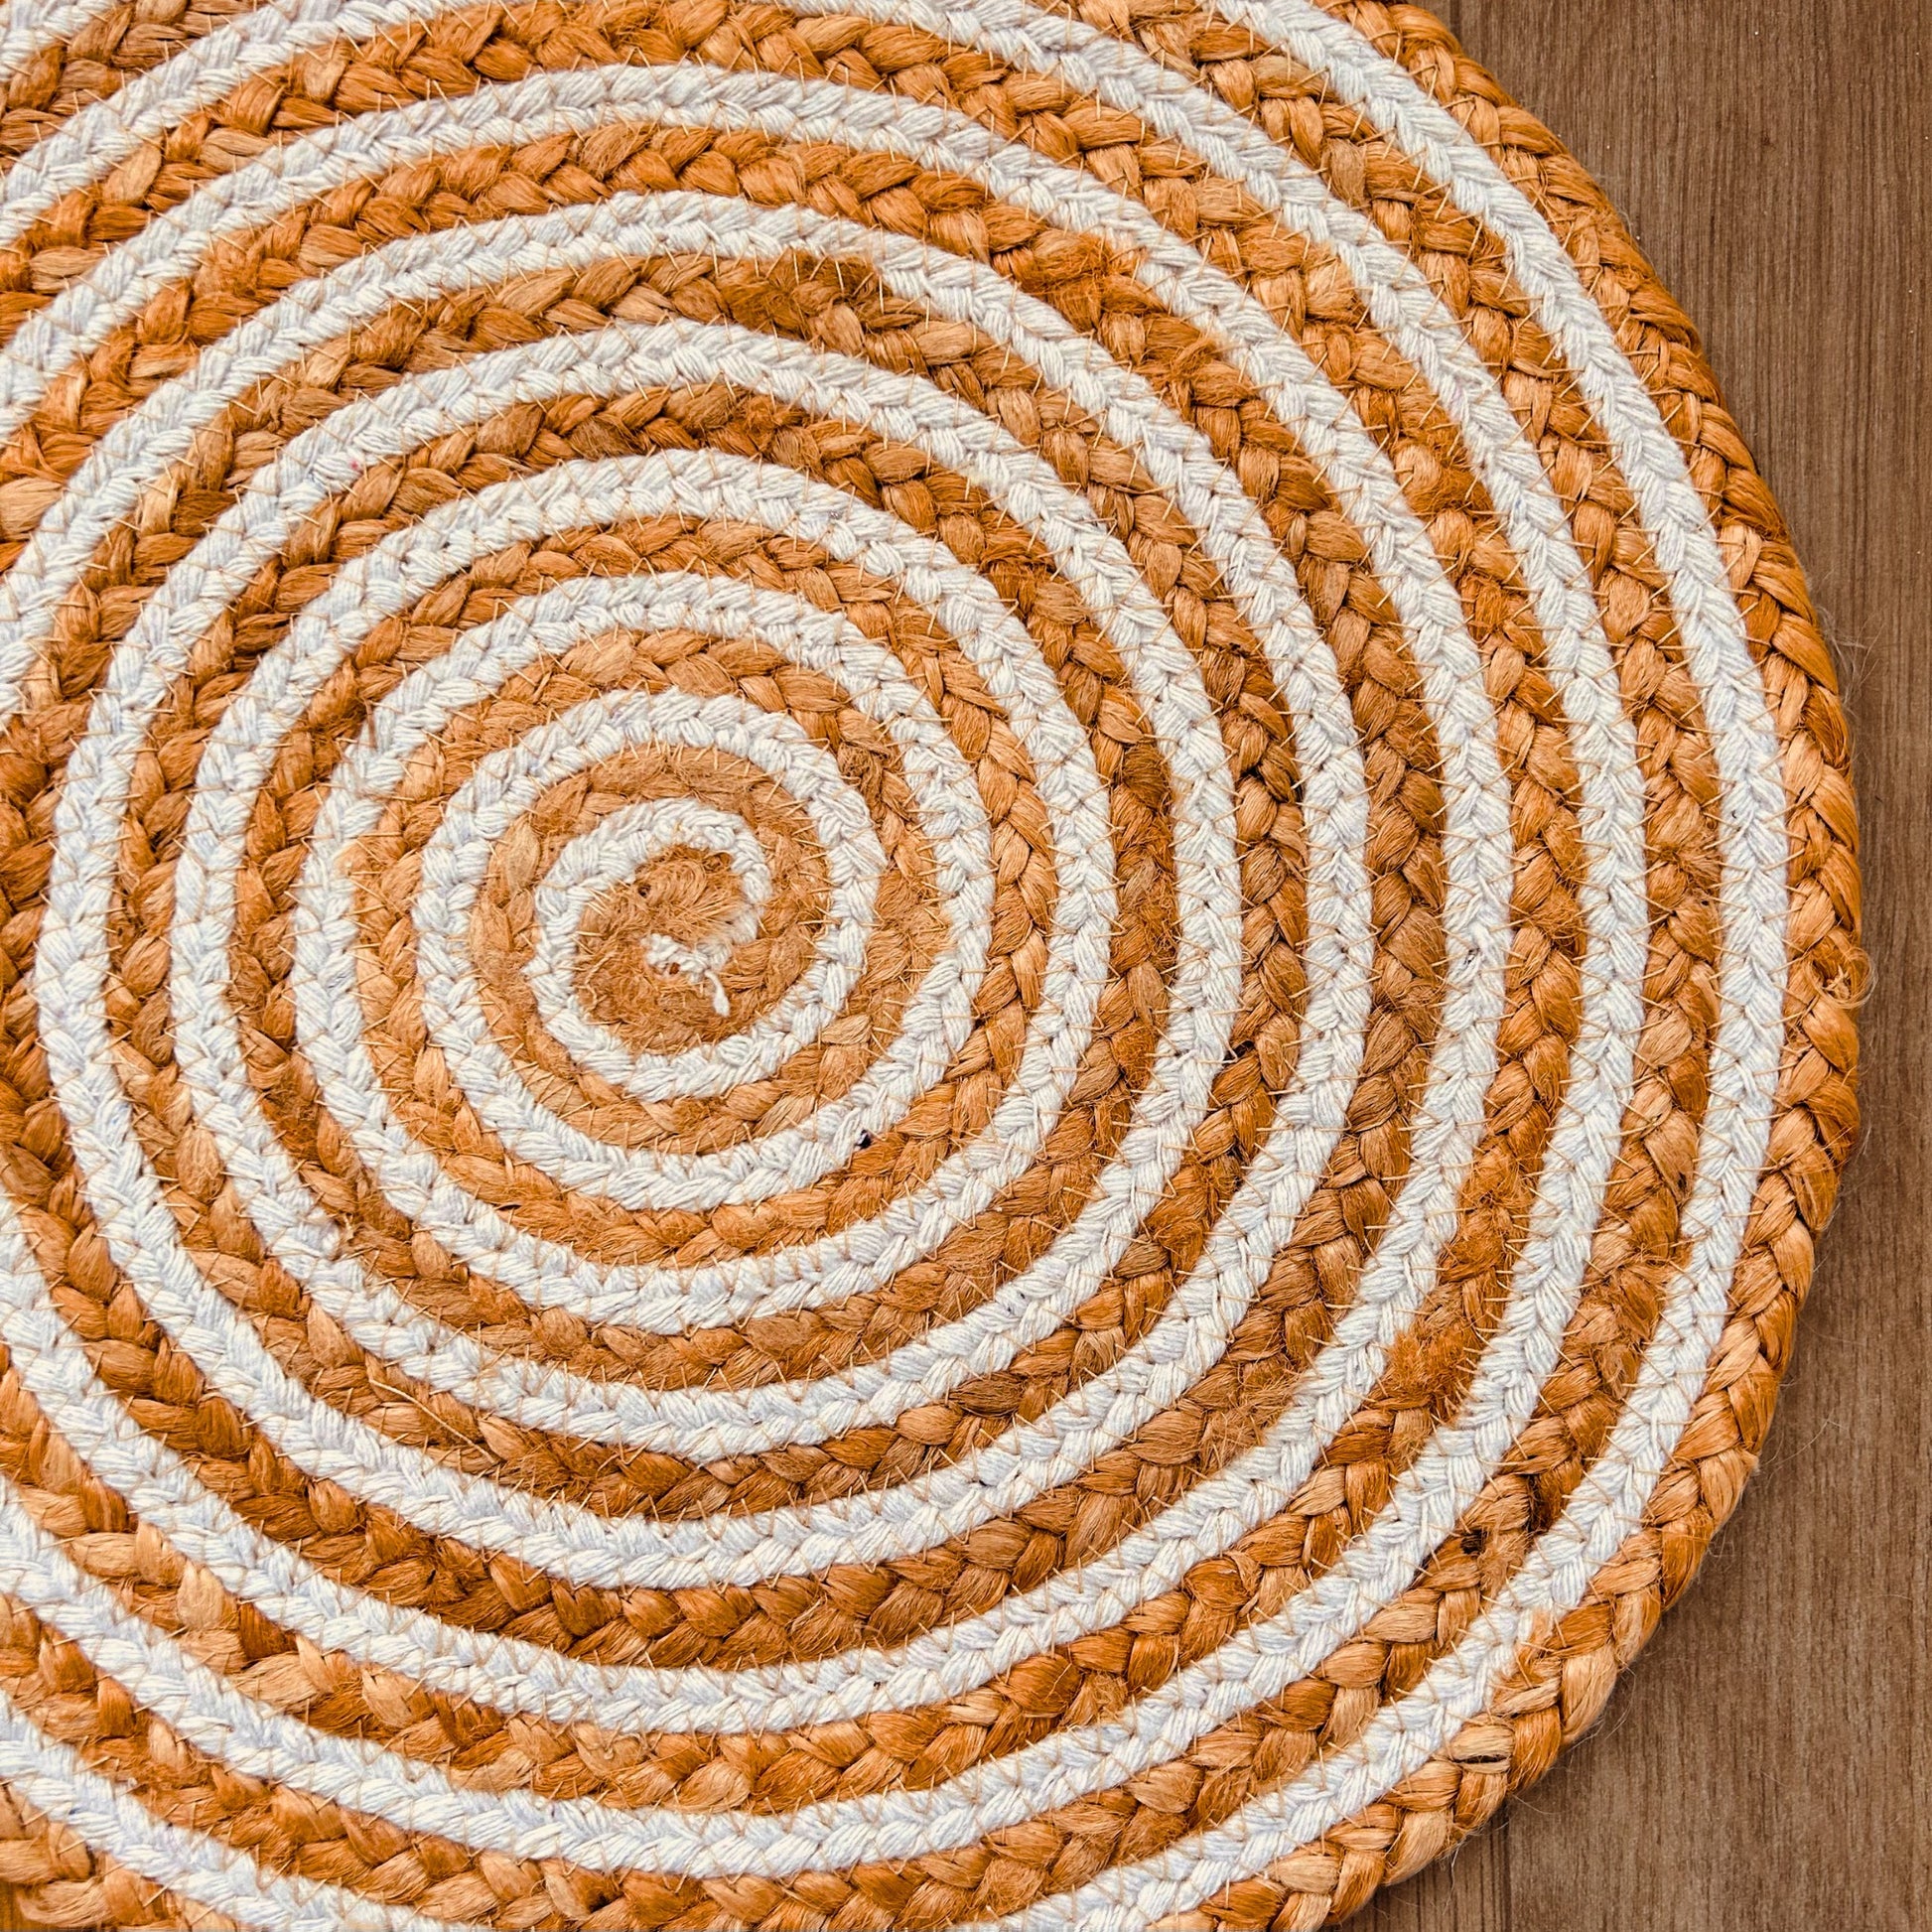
(928, 964)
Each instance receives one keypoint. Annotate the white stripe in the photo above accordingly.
(937, 1021)
(1608, 1504)
(56, 1780)
(699, 1423)
(90, 143)
(140, 1231)
(29, 27)
(613, 851)
(705, 483)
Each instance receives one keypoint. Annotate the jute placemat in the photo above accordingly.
(928, 950)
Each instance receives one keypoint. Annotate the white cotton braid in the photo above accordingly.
(56, 1780)
(1009, 1469)
(614, 854)
(140, 1231)
(938, 1019)
(550, 1274)
(619, 848)
(1608, 1505)
(688, 1420)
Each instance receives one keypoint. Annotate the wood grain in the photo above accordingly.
(1759, 1769)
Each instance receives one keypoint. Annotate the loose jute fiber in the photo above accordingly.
(927, 960)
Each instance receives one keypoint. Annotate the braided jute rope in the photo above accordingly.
(929, 954)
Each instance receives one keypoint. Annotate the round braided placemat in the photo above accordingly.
(926, 966)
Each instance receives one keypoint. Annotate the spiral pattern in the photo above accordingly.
(927, 952)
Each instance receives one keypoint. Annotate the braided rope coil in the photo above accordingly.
(927, 969)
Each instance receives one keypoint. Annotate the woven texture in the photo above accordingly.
(926, 969)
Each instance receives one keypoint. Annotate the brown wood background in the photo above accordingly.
(1767, 1766)
(1759, 1770)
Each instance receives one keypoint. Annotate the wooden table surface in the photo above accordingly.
(1757, 1771)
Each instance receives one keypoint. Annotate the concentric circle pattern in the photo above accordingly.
(926, 963)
